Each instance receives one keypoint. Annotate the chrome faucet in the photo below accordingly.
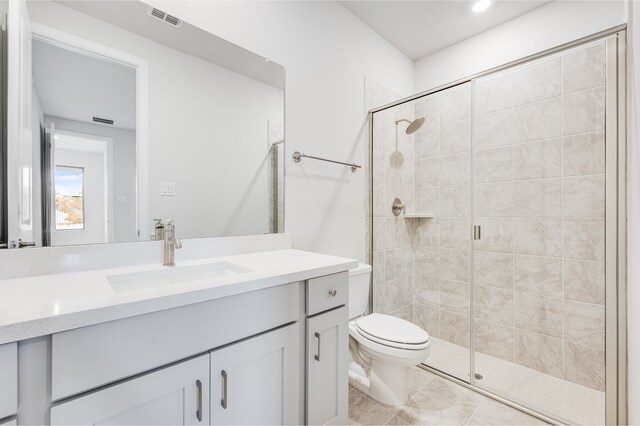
(170, 243)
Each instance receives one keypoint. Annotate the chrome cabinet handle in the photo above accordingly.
(199, 400)
(333, 293)
(223, 401)
(317, 356)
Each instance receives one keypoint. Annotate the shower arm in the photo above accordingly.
(401, 120)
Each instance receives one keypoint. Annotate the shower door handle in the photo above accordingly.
(477, 232)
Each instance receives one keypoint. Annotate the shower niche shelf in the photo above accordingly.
(419, 215)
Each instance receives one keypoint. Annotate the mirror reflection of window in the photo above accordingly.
(69, 197)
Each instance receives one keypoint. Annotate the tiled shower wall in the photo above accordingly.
(393, 176)
(539, 197)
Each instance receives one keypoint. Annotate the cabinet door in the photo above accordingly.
(327, 368)
(175, 395)
(256, 381)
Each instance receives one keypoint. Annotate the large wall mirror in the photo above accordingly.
(119, 114)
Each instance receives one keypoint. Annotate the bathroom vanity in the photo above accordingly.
(257, 338)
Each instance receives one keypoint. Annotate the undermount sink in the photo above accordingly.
(172, 276)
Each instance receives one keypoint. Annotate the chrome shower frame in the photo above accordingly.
(616, 411)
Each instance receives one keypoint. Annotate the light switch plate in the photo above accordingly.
(167, 189)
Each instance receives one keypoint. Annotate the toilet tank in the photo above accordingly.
(359, 279)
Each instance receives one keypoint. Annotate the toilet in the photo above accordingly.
(382, 347)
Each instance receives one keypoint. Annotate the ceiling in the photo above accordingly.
(419, 28)
(78, 87)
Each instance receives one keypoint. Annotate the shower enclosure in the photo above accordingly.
(506, 243)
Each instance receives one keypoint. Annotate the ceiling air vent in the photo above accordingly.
(164, 17)
(103, 120)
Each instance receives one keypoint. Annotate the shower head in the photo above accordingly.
(413, 126)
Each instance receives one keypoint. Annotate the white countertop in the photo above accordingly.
(46, 304)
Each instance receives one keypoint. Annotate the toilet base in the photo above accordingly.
(386, 383)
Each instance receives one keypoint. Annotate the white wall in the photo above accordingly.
(207, 132)
(327, 52)
(123, 174)
(553, 24)
(633, 211)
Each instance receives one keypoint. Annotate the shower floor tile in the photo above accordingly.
(554, 397)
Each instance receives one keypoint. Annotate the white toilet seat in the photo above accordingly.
(392, 331)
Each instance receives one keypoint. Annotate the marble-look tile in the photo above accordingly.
(493, 270)
(364, 411)
(387, 297)
(427, 232)
(583, 154)
(584, 239)
(493, 412)
(494, 165)
(455, 137)
(379, 166)
(427, 172)
(426, 262)
(418, 378)
(454, 201)
(584, 111)
(454, 328)
(584, 365)
(379, 198)
(460, 399)
(539, 120)
(584, 280)
(378, 267)
(540, 80)
(378, 237)
(427, 318)
(395, 166)
(497, 235)
(427, 142)
(405, 313)
(407, 260)
(494, 305)
(455, 103)
(454, 296)
(494, 199)
(584, 197)
(392, 231)
(494, 93)
(454, 265)
(584, 324)
(539, 237)
(392, 264)
(407, 289)
(428, 106)
(427, 200)
(455, 169)
(538, 314)
(494, 129)
(396, 421)
(455, 233)
(584, 68)
(540, 159)
(367, 205)
(424, 409)
(538, 197)
(426, 291)
(494, 339)
(538, 352)
(538, 275)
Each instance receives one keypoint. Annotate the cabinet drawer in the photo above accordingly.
(9, 382)
(328, 292)
(89, 357)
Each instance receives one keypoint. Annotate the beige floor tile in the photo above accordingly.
(455, 396)
(424, 409)
(418, 379)
(364, 411)
(395, 420)
(493, 412)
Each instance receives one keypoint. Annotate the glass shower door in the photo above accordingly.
(539, 202)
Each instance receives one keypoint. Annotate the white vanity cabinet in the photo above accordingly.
(174, 395)
(8, 381)
(327, 351)
(256, 381)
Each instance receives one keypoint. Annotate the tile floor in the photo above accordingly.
(435, 401)
(561, 399)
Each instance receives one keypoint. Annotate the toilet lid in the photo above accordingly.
(391, 329)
